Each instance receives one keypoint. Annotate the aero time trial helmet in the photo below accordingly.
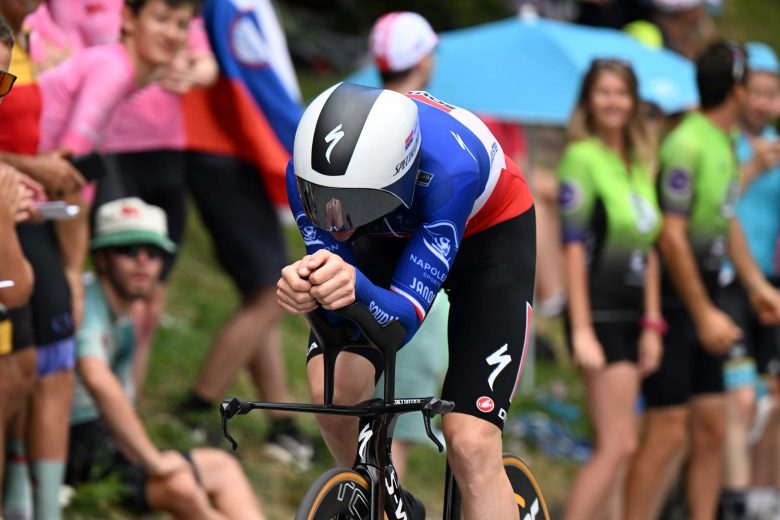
(356, 155)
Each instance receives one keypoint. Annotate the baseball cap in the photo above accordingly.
(130, 221)
(761, 57)
(676, 6)
(400, 40)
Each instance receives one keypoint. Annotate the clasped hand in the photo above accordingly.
(323, 278)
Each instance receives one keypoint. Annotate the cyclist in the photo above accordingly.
(396, 196)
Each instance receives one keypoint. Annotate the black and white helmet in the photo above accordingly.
(356, 155)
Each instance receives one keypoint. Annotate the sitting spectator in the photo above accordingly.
(107, 436)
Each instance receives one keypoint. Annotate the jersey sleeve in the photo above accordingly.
(576, 196)
(678, 161)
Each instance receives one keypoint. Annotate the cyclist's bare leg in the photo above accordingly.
(269, 374)
(665, 440)
(708, 427)
(611, 394)
(474, 453)
(240, 339)
(226, 484)
(354, 382)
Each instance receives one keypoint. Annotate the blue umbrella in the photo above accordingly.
(530, 70)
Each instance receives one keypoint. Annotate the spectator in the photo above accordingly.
(610, 221)
(697, 186)
(683, 26)
(107, 436)
(402, 45)
(752, 368)
(240, 134)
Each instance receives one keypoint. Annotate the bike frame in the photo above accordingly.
(377, 416)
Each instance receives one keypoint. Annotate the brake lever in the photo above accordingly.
(428, 411)
(228, 409)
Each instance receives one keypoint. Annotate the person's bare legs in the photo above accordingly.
(17, 379)
(705, 465)
(665, 439)
(47, 436)
(353, 382)
(549, 257)
(180, 495)
(269, 373)
(611, 394)
(740, 410)
(474, 451)
(228, 488)
(401, 451)
(766, 452)
(235, 345)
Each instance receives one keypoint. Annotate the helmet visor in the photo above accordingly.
(344, 209)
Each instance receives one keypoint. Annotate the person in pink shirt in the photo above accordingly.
(78, 97)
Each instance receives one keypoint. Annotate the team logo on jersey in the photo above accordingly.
(441, 239)
(310, 233)
(248, 42)
(333, 138)
(678, 184)
(485, 404)
(570, 196)
(646, 218)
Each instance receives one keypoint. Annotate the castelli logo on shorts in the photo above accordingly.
(485, 404)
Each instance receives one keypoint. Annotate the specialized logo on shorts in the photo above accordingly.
(570, 196)
(678, 184)
(311, 348)
(333, 138)
(248, 42)
(485, 404)
(499, 358)
(441, 239)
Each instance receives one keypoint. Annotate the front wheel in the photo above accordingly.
(339, 494)
(528, 495)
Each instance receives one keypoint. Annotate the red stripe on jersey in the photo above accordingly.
(429, 101)
(511, 197)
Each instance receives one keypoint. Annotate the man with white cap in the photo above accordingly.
(107, 436)
(402, 45)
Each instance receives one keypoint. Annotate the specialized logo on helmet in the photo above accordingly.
(333, 137)
(441, 239)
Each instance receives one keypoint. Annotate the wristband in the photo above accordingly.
(657, 324)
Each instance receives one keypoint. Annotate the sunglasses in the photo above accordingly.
(6, 82)
(134, 250)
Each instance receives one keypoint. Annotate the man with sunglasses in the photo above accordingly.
(107, 436)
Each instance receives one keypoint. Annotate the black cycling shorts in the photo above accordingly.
(240, 217)
(687, 369)
(157, 178)
(759, 342)
(619, 339)
(22, 334)
(50, 306)
(491, 288)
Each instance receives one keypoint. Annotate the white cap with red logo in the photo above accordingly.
(400, 40)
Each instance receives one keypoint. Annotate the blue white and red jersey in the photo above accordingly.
(465, 185)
